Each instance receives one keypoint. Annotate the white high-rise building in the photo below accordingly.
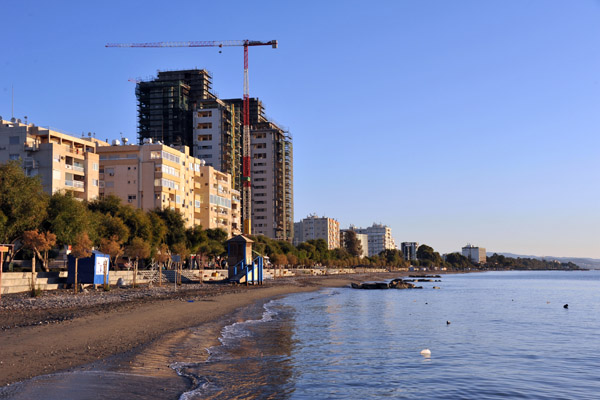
(474, 254)
(379, 236)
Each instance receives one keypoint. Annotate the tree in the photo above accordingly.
(112, 228)
(425, 252)
(162, 256)
(138, 249)
(352, 244)
(40, 243)
(81, 249)
(112, 246)
(67, 218)
(23, 204)
(175, 225)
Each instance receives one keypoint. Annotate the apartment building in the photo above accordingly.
(272, 182)
(362, 239)
(166, 104)
(409, 250)
(179, 108)
(475, 254)
(379, 236)
(63, 162)
(313, 227)
(217, 137)
(154, 175)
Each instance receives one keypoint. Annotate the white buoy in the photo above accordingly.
(426, 352)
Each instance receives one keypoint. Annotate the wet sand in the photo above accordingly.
(32, 345)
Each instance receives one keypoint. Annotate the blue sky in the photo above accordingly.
(450, 121)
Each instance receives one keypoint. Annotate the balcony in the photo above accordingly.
(74, 184)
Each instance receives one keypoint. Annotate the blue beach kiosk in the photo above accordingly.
(90, 269)
(243, 268)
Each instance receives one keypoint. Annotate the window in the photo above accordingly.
(260, 179)
(110, 184)
(204, 125)
(260, 135)
(205, 147)
(95, 182)
(171, 157)
(260, 155)
(197, 204)
(14, 140)
(260, 146)
(204, 114)
(95, 166)
(202, 156)
(14, 156)
(260, 164)
(204, 138)
(220, 201)
(110, 171)
(178, 199)
(131, 197)
(56, 158)
(155, 154)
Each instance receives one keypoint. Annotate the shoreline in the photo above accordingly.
(76, 337)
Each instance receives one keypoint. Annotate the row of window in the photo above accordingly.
(220, 201)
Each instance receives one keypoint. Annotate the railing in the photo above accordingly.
(78, 168)
(77, 184)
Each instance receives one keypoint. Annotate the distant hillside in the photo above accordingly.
(587, 263)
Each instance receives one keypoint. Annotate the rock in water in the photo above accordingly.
(566, 306)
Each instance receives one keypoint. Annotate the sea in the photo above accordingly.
(489, 335)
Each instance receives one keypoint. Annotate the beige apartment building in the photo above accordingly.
(313, 227)
(154, 175)
(63, 162)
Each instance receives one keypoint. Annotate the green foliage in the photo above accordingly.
(352, 244)
(175, 226)
(67, 218)
(458, 261)
(23, 203)
(500, 261)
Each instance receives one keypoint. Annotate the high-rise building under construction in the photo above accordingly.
(179, 108)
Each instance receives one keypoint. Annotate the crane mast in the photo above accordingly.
(246, 153)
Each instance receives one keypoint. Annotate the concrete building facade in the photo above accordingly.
(379, 236)
(217, 137)
(152, 175)
(313, 227)
(62, 162)
(474, 254)
(409, 250)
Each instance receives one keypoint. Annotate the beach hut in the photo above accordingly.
(243, 267)
(90, 269)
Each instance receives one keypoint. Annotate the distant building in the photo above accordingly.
(379, 237)
(409, 250)
(474, 254)
(155, 176)
(313, 227)
(62, 162)
(362, 239)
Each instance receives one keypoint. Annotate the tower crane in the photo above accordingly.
(246, 154)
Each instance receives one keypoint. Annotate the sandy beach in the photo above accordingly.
(48, 334)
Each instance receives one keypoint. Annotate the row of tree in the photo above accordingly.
(33, 221)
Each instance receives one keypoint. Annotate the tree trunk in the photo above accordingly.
(33, 275)
(135, 266)
(76, 260)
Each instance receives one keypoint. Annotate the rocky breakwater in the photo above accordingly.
(398, 283)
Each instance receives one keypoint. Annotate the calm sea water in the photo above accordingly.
(509, 337)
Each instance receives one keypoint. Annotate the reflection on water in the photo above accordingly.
(252, 361)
